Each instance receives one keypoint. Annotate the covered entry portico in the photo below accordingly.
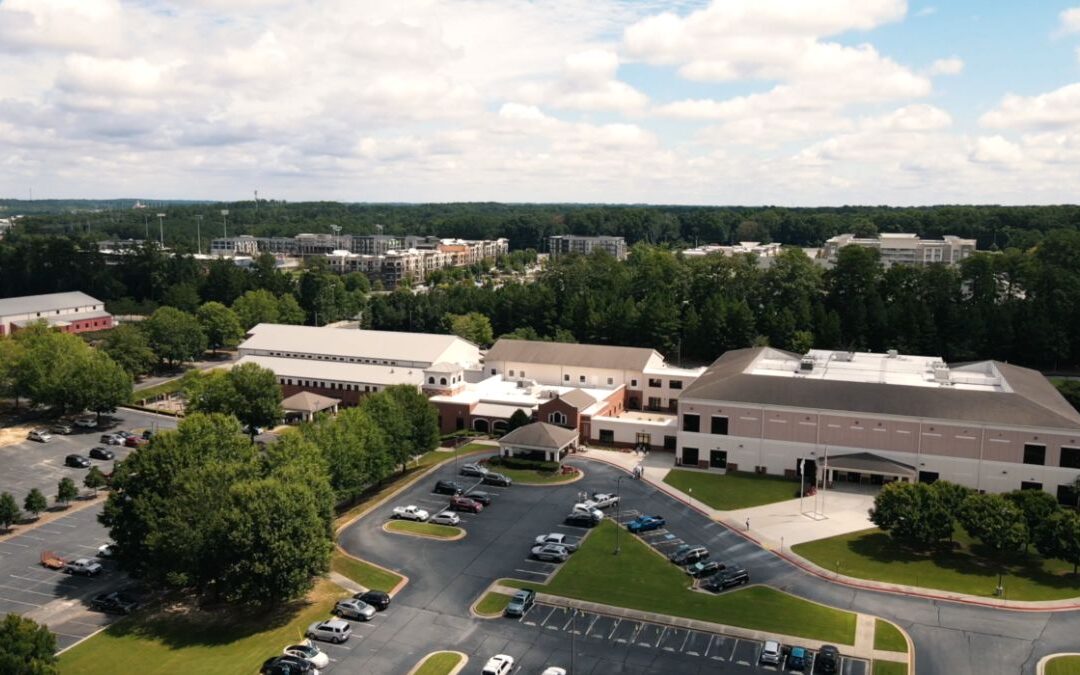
(866, 468)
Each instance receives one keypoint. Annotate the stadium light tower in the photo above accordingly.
(161, 228)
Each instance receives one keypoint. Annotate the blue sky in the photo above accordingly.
(798, 102)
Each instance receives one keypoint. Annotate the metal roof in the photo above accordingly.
(336, 371)
(306, 401)
(46, 303)
(577, 398)
(571, 354)
(378, 345)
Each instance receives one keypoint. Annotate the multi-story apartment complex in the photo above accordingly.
(907, 249)
(873, 418)
(770, 250)
(73, 312)
(572, 243)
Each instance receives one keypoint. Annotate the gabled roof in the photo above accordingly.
(305, 401)
(570, 354)
(577, 398)
(1030, 399)
(540, 435)
(378, 345)
(49, 302)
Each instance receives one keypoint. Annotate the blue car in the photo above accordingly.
(646, 523)
(796, 660)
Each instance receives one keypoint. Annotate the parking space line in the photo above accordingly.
(614, 628)
(734, 646)
(27, 590)
(20, 602)
(685, 640)
(709, 646)
(14, 544)
(539, 574)
(660, 638)
(594, 620)
(548, 616)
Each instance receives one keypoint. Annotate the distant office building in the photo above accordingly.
(743, 247)
(904, 249)
(73, 312)
(572, 243)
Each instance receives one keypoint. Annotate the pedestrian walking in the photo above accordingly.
(747, 524)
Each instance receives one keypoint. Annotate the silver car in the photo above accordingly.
(550, 553)
(352, 608)
(334, 630)
(40, 435)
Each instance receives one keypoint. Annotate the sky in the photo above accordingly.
(783, 102)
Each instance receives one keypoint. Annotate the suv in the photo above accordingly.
(84, 566)
(587, 507)
(491, 478)
(465, 504)
(351, 608)
(448, 487)
(40, 435)
(500, 664)
(114, 603)
(380, 600)
(704, 568)
(827, 660)
(796, 659)
(728, 577)
(86, 422)
(473, 470)
(478, 496)
(77, 461)
(771, 653)
(550, 553)
(111, 439)
(520, 603)
(688, 555)
(566, 541)
(581, 519)
(62, 428)
(331, 630)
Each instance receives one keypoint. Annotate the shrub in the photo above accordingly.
(525, 464)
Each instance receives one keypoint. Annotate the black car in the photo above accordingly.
(688, 555)
(497, 479)
(827, 660)
(731, 576)
(77, 461)
(704, 568)
(448, 487)
(380, 600)
(102, 453)
(286, 665)
(478, 496)
(581, 519)
(114, 603)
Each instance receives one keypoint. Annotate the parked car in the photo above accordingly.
(479, 496)
(86, 567)
(521, 602)
(564, 540)
(603, 500)
(308, 652)
(796, 659)
(40, 435)
(114, 603)
(86, 422)
(771, 653)
(288, 665)
(554, 670)
(580, 519)
(380, 600)
(703, 568)
(445, 518)
(331, 630)
(410, 512)
(646, 523)
(587, 507)
(351, 608)
(491, 478)
(62, 428)
(688, 554)
(476, 470)
(550, 553)
(135, 441)
(105, 551)
(727, 578)
(448, 487)
(500, 664)
(111, 439)
(465, 504)
(827, 661)
(124, 434)
(77, 461)
(102, 453)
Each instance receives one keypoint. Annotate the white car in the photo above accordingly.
(410, 512)
(86, 422)
(105, 551)
(771, 653)
(446, 518)
(307, 651)
(500, 664)
(603, 500)
(554, 670)
(40, 435)
(590, 508)
(83, 566)
(570, 543)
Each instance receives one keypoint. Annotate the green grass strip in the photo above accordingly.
(492, 603)
(1063, 665)
(426, 529)
(888, 637)
(890, 668)
(439, 663)
(363, 573)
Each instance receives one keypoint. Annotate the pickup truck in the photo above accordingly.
(645, 523)
(603, 500)
(83, 566)
(410, 512)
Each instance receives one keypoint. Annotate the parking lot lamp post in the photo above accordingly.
(618, 511)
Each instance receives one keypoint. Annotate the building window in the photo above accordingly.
(607, 436)
(511, 373)
(566, 378)
(690, 456)
(670, 442)
(581, 379)
(675, 384)
(1034, 454)
(718, 459)
(431, 380)
(691, 423)
(1066, 496)
(633, 383)
(611, 380)
(557, 418)
(654, 403)
(654, 382)
(492, 371)
(719, 426)
(442, 380)
(1029, 485)
(1070, 458)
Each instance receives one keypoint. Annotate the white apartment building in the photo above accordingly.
(907, 249)
(770, 250)
(571, 243)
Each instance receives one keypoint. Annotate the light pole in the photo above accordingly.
(146, 224)
(224, 223)
(198, 233)
(618, 512)
(161, 229)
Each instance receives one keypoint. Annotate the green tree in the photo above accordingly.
(355, 449)
(1059, 537)
(95, 480)
(220, 324)
(175, 336)
(48, 362)
(35, 502)
(1070, 389)
(994, 520)
(66, 491)
(184, 297)
(248, 392)
(255, 307)
(11, 358)
(128, 346)
(519, 419)
(421, 417)
(474, 327)
(1037, 506)
(289, 310)
(912, 513)
(26, 648)
(9, 511)
(101, 384)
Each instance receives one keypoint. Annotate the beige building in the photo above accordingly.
(907, 249)
(571, 243)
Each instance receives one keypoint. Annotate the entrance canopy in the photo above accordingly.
(869, 463)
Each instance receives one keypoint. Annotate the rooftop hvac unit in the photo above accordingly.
(892, 354)
(941, 374)
(806, 365)
(845, 357)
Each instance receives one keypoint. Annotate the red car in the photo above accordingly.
(135, 441)
(465, 504)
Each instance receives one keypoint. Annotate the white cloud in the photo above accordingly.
(996, 150)
(1053, 110)
(1069, 20)
(949, 66)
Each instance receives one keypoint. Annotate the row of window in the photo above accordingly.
(338, 386)
(718, 424)
(653, 382)
(343, 359)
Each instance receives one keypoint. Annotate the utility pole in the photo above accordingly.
(161, 228)
(224, 224)
(618, 512)
(198, 233)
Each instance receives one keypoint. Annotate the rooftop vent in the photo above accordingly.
(892, 354)
(845, 357)
(941, 374)
(806, 365)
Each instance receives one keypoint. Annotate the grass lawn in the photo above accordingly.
(439, 663)
(363, 573)
(890, 668)
(888, 637)
(226, 642)
(1063, 665)
(426, 529)
(965, 568)
(492, 604)
(733, 490)
(639, 578)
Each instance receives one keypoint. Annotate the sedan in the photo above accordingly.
(566, 541)
(579, 519)
(77, 461)
(445, 518)
(478, 496)
(687, 554)
(646, 523)
(550, 553)
(448, 487)
(40, 435)
(703, 569)
(111, 439)
(135, 441)
(500, 664)
(497, 479)
(475, 470)
(61, 428)
(86, 422)
(354, 609)
(380, 600)
(102, 453)
(114, 603)
(465, 504)
(308, 652)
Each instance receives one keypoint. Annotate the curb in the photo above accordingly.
(419, 535)
(490, 589)
(1040, 667)
(453, 671)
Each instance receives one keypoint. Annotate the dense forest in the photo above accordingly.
(528, 225)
